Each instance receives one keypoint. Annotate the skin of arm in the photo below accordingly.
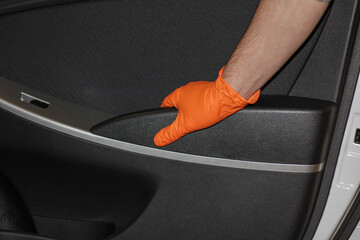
(277, 30)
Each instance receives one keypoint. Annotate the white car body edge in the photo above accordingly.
(346, 181)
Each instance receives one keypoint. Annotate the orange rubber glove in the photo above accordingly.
(200, 105)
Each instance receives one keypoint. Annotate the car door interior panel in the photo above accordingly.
(81, 83)
(284, 126)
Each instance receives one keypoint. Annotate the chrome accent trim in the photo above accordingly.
(76, 121)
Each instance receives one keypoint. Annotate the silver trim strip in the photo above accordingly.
(48, 118)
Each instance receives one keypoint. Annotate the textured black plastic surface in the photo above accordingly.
(21, 236)
(323, 75)
(61, 177)
(10, 6)
(13, 213)
(8, 195)
(80, 198)
(15, 218)
(73, 229)
(276, 129)
(142, 50)
(126, 56)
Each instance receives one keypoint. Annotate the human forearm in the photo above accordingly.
(277, 30)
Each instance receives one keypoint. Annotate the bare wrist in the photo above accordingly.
(244, 87)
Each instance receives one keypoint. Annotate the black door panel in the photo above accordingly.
(61, 177)
(79, 112)
(277, 129)
(75, 186)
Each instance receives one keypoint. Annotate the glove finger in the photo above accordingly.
(169, 134)
(171, 99)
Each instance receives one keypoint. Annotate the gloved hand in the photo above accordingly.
(200, 105)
